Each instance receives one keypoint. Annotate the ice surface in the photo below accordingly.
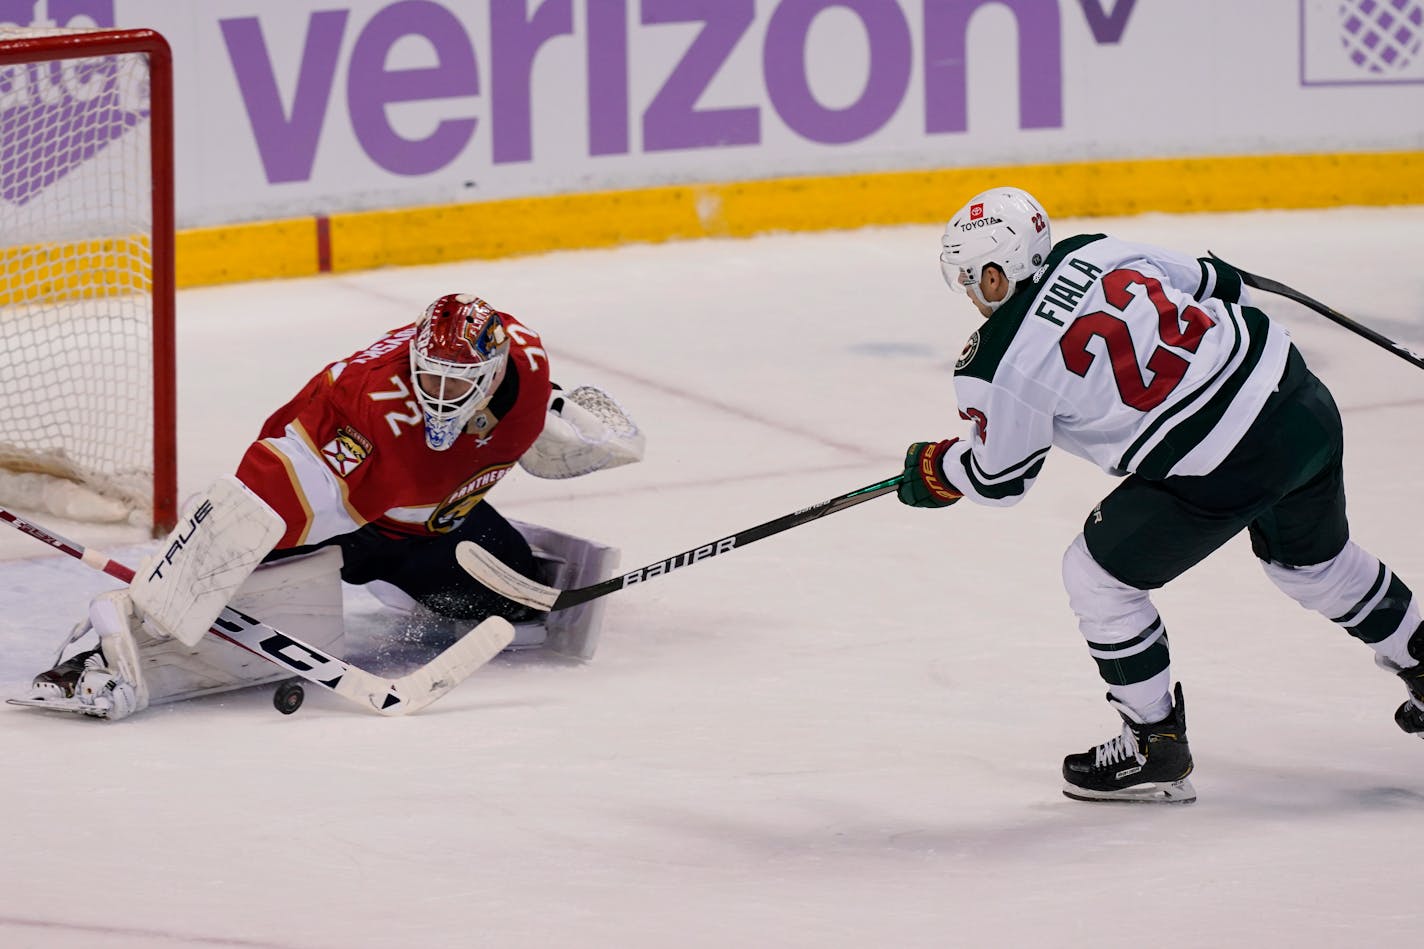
(847, 735)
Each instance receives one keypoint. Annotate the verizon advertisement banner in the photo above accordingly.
(288, 107)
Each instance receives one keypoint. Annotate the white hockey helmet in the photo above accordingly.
(1004, 226)
(457, 360)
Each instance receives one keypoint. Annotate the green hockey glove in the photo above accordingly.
(925, 484)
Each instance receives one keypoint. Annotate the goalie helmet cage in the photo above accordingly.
(87, 364)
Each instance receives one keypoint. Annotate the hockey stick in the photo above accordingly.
(1280, 289)
(400, 696)
(492, 572)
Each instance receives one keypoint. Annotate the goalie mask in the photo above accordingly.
(457, 360)
(1004, 226)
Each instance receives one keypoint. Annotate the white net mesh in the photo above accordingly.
(76, 314)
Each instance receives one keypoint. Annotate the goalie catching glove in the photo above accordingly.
(586, 430)
(924, 483)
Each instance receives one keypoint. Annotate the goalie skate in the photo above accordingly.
(82, 685)
(1146, 764)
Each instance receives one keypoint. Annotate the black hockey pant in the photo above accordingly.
(425, 567)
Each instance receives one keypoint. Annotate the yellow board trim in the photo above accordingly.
(512, 227)
(235, 253)
(75, 270)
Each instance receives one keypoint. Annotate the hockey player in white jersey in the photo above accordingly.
(1155, 367)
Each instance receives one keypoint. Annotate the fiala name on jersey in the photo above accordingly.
(1061, 298)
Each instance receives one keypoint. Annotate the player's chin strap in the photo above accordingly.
(978, 294)
(1335, 316)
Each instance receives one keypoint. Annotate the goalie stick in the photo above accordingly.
(399, 696)
(1335, 316)
(493, 573)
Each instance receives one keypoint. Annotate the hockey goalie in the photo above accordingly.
(371, 474)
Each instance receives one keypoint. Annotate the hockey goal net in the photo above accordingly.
(87, 296)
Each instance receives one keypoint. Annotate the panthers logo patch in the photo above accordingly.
(463, 499)
(970, 348)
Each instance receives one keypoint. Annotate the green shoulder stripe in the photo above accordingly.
(1200, 415)
(1225, 280)
(988, 344)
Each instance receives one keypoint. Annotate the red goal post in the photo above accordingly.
(87, 364)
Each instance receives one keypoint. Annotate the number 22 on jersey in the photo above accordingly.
(1181, 330)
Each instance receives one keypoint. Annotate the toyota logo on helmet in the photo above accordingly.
(1002, 226)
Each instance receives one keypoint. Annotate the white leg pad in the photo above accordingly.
(300, 596)
(221, 537)
(417, 621)
(393, 597)
(574, 562)
(111, 614)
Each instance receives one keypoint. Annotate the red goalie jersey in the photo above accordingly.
(350, 448)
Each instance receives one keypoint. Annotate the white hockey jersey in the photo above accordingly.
(1133, 357)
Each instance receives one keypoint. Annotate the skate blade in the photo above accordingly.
(58, 704)
(1163, 792)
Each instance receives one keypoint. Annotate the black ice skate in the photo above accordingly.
(1147, 763)
(60, 681)
(1410, 715)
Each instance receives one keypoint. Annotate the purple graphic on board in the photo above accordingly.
(57, 116)
(1361, 42)
(289, 103)
(1107, 27)
(1382, 36)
